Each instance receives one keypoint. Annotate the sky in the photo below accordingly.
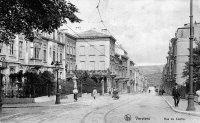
(143, 27)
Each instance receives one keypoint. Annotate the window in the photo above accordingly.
(74, 51)
(71, 52)
(57, 55)
(67, 49)
(92, 65)
(71, 66)
(102, 65)
(26, 46)
(54, 35)
(50, 52)
(61, 57)
(92, 50)
(102, 49)
(82, 65)
(61, 37)
(82, 50)
(45, 56)
(11, 49)
(20, 49)
(54, 56)
(37, 52)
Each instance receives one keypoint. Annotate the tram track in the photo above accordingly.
(105, 111)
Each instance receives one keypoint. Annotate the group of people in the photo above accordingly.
(75, 92)
(114, 93)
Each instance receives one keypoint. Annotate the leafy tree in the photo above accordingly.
(196, 70)
(67, 87)
(48, 82)
(39, 84)
(87, 82)
(12, 78)
(24, 16)
(31, 83)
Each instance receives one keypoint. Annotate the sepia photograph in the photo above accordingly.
(99, 61)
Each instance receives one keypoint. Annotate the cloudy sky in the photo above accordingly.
(143, 27)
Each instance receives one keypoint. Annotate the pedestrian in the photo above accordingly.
(176, 95)
(109, 92)
(94, 92)
(149, 90)
(75, 92)
(163, 91)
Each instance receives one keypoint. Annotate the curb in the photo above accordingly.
(13, 115)
(180, 111)
(52, 105)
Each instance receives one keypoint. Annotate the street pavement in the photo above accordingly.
(182, 106)
(15, 109)
(133, 108)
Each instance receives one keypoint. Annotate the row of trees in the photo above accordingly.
(34, 85)
(43, 83)
(85, 83)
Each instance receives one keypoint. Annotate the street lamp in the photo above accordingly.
(57, 65)
(113, 76)
(102, 82)
(191, 94)
(2, 66)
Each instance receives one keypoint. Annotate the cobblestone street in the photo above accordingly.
(141, 107)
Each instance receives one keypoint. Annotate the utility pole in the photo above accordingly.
(191, 94)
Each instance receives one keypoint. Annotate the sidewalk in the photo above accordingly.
(12, 110)
(68, 100)
(182, 106)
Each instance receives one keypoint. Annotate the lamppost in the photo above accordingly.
(3, 66)
(102, 82)
(113, 76)
(57, 64)
(190, 106)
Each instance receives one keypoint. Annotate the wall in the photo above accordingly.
(93, 54)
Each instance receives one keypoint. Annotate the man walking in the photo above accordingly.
(94, 92)
(176, 95)
(75, 91)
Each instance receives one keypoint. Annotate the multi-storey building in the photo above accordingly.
(22, 55)
(177, 57)
(178, 54)
(121, 65)
(130, 72)
(95, 51)
(70, 53)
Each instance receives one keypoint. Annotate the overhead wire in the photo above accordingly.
(72, 29)
(101, 20)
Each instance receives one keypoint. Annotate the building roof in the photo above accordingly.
(91, 34)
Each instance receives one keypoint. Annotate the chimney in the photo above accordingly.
(105, 31)
(63, 30)
(78, 29)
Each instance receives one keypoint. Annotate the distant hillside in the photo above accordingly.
(152, 73)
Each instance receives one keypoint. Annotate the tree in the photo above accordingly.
(39, 84)
(25, 16)
(196, 70)
(48, 82)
